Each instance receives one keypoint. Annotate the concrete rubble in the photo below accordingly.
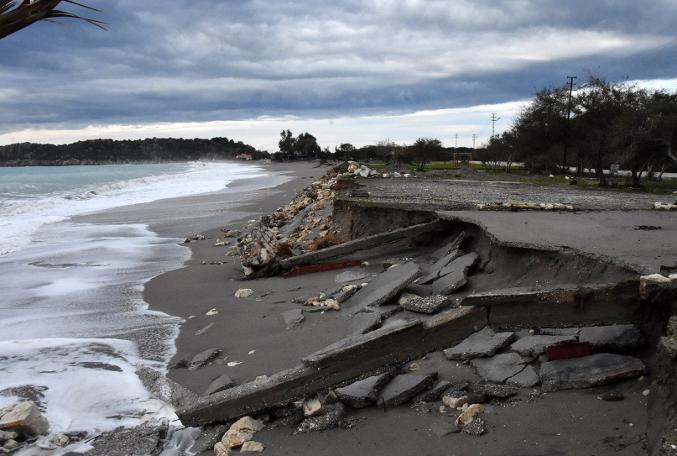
(482, 344)
(594, 370)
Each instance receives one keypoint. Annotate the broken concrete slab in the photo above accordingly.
(220, 383)
(482, 344)
(532, 346)
(385, 287)
(499, 368)
(435, 270)
(435, 392)
(350, 276)
(526, 379)
(329, 419)
(204, 358)
(405, 387)
(561, 305)
(461, 264)
(594, 370)
(425, 304)
(293, 318)
(614, 338)
(449, 283)
(338, 363)
(494, 390)
(449, 248)
(419, 290)
(559, 331)
(363, 393)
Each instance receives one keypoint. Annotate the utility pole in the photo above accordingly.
(571, 80)
(456, 141)
(494, 119)
(474, 138)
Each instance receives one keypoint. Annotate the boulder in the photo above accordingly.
(615, 338)
(500, 367)
(594, 370)
(425, 304)
(363, 393)
(241, 431)
(482, 344)
(24, 417)
(532, 346)
(405, 387)
(220, 383)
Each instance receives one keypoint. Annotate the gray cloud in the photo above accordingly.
(199, 60)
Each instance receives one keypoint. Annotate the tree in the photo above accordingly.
(14, 17)
(423, 150)
(287, 142)
(306, 146)
(345, 151)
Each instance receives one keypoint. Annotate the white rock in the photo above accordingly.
(25, 417)
(244, 293)
(252, 447)
(311, 407)
(212, 312)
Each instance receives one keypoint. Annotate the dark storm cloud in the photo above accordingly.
(199, 60)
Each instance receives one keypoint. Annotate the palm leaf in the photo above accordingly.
(18, 14)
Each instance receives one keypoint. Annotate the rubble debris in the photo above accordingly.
(612, 396)
(438, 266)
(292, 318)
(454, 275)
(24, 417)
(194, 237)
(468, 415)
(252, 447)
(243, 430)
(559, 331)
(220, 383)
(311, 407)
(482, 344)
(614, 338)
(522, 206)
(436, 392)
(405, 387)
(204, 358)
(457, 399)
(500, 367)
(346, 293)
(594, 370)
(494, 390)
(477, 427)
(386, 286)
(532, 346)
(427, 304)
(568, 350)
(323, 302)
(350, 276)
(444, 428)
(330, 418)
(664, 206)
(144, 439)
(363, 393)
(244, 293)
(525, 379)
(221, 243)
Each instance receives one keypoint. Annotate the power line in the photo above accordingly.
(494, 119)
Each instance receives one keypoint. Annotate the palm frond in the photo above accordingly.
(18, 14)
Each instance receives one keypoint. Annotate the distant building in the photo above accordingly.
(246, 157)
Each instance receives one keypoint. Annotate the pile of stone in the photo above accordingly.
(240, 435)
(20, 422)
(355, 169)
(567, 358)
(665, 206)
(303, 225)
(524, 206)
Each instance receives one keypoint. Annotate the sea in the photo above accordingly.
(74, 328)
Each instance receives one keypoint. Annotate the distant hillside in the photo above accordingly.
(105, 151)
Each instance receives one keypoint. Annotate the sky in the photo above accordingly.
(345, 71)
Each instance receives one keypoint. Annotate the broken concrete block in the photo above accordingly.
(330, 419)
(532, 346)
(615, 338)
(436, 268)
(500, 367)
(203, 358)
(494, 390)
(363, 393)
(350, 276)
(386, 286)
(461, 264)
(436, 392)
(568, 350)
(589, 371)
(482, 344)
(425, 305)
(525, 379)
(419, 290)
(24, 417)
(220, 383)
(293, 318)
(476, 427)
(405, 387)
(449, 283)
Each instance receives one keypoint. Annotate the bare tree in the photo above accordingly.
(16, 15)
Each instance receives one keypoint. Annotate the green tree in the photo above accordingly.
(423, 150)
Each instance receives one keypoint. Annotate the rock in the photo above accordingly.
(8, 435)
(468, 415)
(10, 444)
(436, 392)
(252, 447)
(526, 379)
(241, 431)
(293, 318)
(386, 286)
(426, 305)
(444, 428)
(331, 418)
(589, 371)
(405, 298)
(350, 276)
(139, 441)
(204, 358)
(482, 344)
(405, 387)
(244, 293)
(532, 346)
(500, 367)
(476, 427)
(24, 417)
(615, 338)
(221, 450)
(231, 234)
(363, 393)
(612, 396)
(311, 407)
(220, 383)
(497, 391)
(346, 293)
(458, 399)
